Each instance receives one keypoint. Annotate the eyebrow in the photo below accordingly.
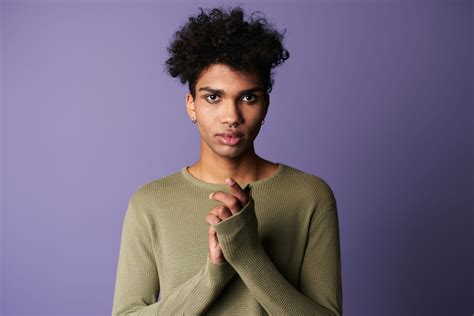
(220, 91)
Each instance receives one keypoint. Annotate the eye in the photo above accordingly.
(211, 98)
(252, 97)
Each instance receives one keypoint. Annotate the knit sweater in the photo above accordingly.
(282, 249)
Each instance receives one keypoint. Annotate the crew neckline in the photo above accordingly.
(185, 172)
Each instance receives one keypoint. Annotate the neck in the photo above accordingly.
(247, 169)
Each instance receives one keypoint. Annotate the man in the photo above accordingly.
(233, 233)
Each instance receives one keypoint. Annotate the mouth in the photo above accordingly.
(231, 134)
(230, 139)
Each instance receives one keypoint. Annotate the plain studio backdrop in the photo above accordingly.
(376, 98)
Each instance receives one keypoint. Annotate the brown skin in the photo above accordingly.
(232, 204)
(214, 113)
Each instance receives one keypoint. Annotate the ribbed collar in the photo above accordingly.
(189, 177)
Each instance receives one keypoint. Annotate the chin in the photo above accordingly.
(231, 153)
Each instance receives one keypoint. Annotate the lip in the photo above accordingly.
(231, 134)
(231, 140)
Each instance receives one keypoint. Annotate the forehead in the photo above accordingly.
(221, 76)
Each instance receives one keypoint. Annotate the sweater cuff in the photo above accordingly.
(238, 220)
(219, 273)
(238, 234)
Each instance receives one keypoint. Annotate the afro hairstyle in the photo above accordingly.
(217, 36)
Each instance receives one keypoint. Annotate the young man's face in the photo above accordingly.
(227, 97)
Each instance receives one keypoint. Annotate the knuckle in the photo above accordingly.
(234, 203)
(212, 219)
(222, 210)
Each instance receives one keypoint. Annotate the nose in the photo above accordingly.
(231, 113)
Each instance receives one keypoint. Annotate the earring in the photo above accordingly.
(263, 121)
(194, 120)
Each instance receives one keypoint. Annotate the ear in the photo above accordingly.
(190, 107)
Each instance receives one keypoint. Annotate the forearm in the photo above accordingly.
(270, 287)
(196, 299)
(242, 248)
(137, 281)
(192, 297)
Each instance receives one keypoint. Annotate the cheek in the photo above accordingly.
(206, 125)
(205, 112)
(255, 120)
(209, 120)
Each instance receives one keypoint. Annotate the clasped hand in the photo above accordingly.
(233, 203)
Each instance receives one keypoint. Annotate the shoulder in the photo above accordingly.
(309, 186)
(157, 185)
(150, 194)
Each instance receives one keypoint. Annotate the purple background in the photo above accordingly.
(376, 98)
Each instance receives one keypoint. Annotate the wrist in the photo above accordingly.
(219, 273)
(238, 234)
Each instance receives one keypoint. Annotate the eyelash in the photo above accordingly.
(247, 95)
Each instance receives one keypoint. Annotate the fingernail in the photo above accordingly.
(230, 181)
(210, 195)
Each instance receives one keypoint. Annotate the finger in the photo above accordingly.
(212, 238)
(229, 200)
(237, 191)
(221, 212)
(212, 219)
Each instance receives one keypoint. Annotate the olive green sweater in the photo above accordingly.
(282, 249)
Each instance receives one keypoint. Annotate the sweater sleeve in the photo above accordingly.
(137, 281)
(320, 282)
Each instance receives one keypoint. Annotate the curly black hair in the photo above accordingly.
(220, 37)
